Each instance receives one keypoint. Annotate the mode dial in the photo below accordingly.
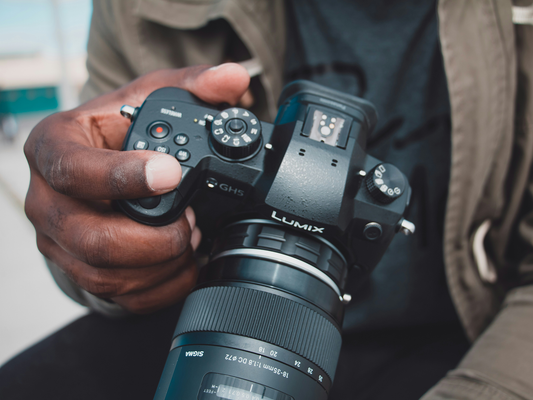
(235, 134)
(385, 183)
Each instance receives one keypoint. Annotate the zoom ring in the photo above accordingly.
(263, 316)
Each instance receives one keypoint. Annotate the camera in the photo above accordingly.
(287, 210)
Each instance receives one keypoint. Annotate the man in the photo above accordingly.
(98, 254)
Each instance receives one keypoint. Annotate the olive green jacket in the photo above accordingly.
(489, 67)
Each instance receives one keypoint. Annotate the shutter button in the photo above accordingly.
(236, 126)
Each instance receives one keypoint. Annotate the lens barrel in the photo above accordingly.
(264, 321)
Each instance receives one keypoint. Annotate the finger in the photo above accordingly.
(163, 295)
(196, 234)
(247, 100)
(62, 148)
(106, 283)
(95, 234)
(225, 83)
(191, 217)
(196, 238)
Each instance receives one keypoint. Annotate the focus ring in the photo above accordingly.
(263, 316)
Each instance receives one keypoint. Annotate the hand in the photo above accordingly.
(77, 168)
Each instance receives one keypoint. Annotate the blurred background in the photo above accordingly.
(42, 69)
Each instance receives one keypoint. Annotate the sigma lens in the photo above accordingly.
(263, 322)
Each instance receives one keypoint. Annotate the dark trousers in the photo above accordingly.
(97, 358)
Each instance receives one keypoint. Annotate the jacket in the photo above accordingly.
(487, 47)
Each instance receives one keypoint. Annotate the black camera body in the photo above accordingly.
(286, 172)
(287, 209)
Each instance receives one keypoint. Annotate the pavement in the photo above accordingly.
(31, 305)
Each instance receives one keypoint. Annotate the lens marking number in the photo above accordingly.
(258, 364)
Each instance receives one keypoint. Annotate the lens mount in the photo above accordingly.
(284, 259)
(260, 238)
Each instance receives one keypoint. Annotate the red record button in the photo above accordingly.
(159, 130)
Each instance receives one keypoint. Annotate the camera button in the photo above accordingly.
(162, 149)
(372, 231)
(236, 126)
(149, 202)
(183, 155)
(385, 183)
(181, 139)
(141, 145)
(159, 130)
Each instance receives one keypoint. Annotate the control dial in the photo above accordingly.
(235, 134)
(385, 183)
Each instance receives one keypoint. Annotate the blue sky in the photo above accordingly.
(27, 26)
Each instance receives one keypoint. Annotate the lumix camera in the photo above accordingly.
(287, 210)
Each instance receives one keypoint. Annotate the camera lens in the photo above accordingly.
(263, 322)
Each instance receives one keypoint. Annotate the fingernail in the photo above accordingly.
(218, 66)
(162, 173)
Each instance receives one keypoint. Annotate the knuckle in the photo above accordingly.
(96, 246)
(125, 172)
(59, 172)
(56, 218)
(179, 239)
(29, 149)
(117, 180)
(30, 207)
(36, 140)
(101, 284)
(43, 246)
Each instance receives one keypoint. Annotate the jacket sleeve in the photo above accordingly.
(106, 64)
(499, 366)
